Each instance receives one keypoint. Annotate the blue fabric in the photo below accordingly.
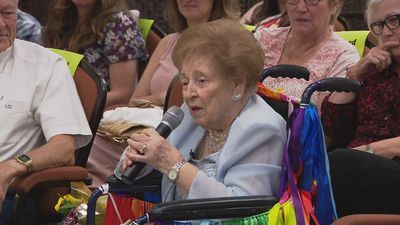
(27, 214)
(254, 146)
(316, 166)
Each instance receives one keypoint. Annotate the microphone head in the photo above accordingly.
(173, 117)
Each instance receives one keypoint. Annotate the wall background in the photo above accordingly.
(352, 10)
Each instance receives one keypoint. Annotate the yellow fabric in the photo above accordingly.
(356, 38)
(282, 214)
(145, 26)
(250, 28)
(73, 59)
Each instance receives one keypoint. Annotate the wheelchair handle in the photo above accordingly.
(285, 70)
(333, 84)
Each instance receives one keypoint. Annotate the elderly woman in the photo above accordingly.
(159, 72)
(308, 42)
(371, 185)
(230, 142)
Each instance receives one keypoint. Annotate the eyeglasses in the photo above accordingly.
(308, 2)
(391, 22)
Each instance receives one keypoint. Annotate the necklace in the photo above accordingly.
(215, 140)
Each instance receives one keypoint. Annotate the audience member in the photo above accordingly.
(367, 181)
(105, 34)
(230, 142)
(159, 72)
(180, 15)
(28, 28)
(266, 14)
(42, 120)
(308, 42)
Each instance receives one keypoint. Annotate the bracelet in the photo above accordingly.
(369, 149)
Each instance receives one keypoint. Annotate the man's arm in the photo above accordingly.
(59, 151)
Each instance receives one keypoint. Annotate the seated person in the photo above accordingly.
(266, 14)
(106, 33)
(308, 42)
(42, 120)
(230, 142)
(158, 74)
(371, 184)
(160, 70)
(28, 28)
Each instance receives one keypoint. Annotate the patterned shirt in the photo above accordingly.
(121, 41)
(28, 28)
(375, 116)
(332, 59)
(208, 165)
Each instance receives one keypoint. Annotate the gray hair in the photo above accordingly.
(371, 8)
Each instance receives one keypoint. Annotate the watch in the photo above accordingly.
(173, 174)
(26, 161)
(369, 149)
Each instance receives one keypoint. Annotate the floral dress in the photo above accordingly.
(120, 41)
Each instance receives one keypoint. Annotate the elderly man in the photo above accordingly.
(41, 118)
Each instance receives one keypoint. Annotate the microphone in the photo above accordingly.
(171, 120)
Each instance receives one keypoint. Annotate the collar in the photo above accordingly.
(4, 56)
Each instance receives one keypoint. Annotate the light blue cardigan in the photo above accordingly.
(249, 163)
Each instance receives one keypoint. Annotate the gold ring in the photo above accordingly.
(142, 150)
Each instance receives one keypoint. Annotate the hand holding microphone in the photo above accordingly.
(171, 119)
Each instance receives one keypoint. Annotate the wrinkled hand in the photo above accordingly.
(378, 59)
(158, 153)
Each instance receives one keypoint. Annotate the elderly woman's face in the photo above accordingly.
(195, 11)
(386, 11)
(310, 19)
(207, 93)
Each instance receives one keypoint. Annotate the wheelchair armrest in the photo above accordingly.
(212, 208)
(148, 183)
(54, 177)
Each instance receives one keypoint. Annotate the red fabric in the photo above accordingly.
(128, 207)
(377, 109)
(124, 206)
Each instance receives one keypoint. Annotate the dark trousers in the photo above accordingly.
(27, 215)
(364, 182)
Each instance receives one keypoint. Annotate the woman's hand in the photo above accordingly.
(378, 59)
(150, 148)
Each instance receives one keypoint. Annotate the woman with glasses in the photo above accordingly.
(309, 42)
(368, 180)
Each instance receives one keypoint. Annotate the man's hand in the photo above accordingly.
(377, 59)
(9, 170)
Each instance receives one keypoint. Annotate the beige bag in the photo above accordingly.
(120, 123)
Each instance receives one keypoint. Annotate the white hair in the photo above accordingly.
(371, 9)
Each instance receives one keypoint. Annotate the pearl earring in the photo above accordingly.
(237, 97)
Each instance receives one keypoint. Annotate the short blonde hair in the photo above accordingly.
(233, 49)
(221, 9)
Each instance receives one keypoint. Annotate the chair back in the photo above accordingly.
(174, 95)
(282, 70)
(369, 219)
(152, 35)
(92, 91)
(358, 38)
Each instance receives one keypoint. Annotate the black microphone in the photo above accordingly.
(171, 119)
